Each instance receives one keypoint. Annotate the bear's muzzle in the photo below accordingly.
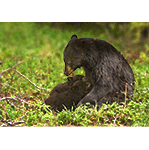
(68, 70)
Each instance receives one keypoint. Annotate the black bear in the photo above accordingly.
(69, 93)
(105, 68)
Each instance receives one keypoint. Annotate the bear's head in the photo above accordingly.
(73, 55)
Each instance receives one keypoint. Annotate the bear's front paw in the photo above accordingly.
(80, 103)
(83, 101)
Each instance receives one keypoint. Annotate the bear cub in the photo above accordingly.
(69, 93)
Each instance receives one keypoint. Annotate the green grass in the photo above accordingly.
(40, 47)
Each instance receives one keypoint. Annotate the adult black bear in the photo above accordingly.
(105, 68)
(66, 94)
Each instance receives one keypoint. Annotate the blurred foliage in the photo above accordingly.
(128, 37)
(137, 30)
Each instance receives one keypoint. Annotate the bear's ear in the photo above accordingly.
(74, 37)
(70, 78)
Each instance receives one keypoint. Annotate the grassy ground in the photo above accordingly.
(40, 47)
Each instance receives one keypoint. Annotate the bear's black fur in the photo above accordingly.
(69, 93)
(105, 68)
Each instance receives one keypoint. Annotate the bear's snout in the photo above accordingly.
(68, 70)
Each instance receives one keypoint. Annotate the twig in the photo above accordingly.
(17, 92)
(16, 99)
(114, 120)
(30, 81)
(46, 106)
(11, 123)
(10, 82)
(5, 84)
(10, 68)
